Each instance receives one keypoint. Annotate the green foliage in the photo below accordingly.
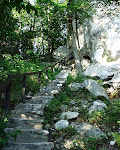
(79, 78)
(116, 135)
(67, 133)
(82, 9)
(112, 116)
(91, 143)
(70, 79)
(9, 26)
(23, 25)
(17, 65)
(53, 109)
(3, 135)
(70, 131)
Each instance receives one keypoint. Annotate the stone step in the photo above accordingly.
(42, 97)
(28, 135)
(26, 118)
(63, 74)
(49, 88)
(29, 146)
(27, 107)
(18, 123)
(26, 115)
(39, 101)
(49, 91)
(56, 83)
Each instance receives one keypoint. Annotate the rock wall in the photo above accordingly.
(100, 36)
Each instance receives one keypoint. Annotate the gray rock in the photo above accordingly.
(64, 108)
(97, 106)
(29, 146)
(115, 81)
(103, 71)
(62, 75)
(95, 88)
(76, 86)
(69, 115)
(90, 131)
(98, 71)
(29, 93)
(62, 53)
(74, 108)
(62, 124)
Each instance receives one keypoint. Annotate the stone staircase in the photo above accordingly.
(28, 118)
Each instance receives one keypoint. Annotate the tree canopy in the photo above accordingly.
(42, 27)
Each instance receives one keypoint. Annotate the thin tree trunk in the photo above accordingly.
(71, 41)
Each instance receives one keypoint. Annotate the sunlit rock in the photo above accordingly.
(95, 88)
(99, 36)
(62, 53)
(90, 131)
(104, 71)
(69, 115)
(62, 124)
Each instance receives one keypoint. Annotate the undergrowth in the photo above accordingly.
(106, 120)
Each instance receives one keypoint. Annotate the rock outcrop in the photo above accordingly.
(95, 88)
(90, 131)
(62, 53)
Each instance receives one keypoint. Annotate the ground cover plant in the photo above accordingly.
(106, 120)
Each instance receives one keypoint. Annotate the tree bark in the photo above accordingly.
(72, 40)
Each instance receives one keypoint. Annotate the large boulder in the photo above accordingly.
(90, 131)
(103, 71)
(95, 88)
(62, 53)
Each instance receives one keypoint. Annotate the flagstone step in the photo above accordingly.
(18, 123)
(63, 74)
(29, 146)
(28, 135)
(27, 115)
(39, 101)
(27, 107)
(42, 97)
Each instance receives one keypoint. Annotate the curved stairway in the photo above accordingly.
(27, 119)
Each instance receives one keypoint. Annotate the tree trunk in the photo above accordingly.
(73, 42)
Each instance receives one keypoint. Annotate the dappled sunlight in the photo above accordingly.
(68, 144)
(86, 127)
(74, 143)
(37, 126)
(32, 2)
(23, 116)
